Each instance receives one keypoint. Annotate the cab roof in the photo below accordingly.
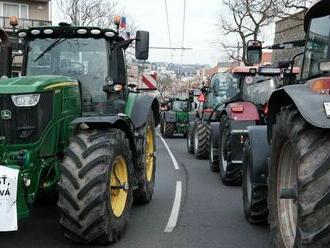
(68, 31)
(264, 70)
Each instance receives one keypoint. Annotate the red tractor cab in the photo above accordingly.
(248, 107)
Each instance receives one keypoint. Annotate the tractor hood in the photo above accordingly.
(30, 84)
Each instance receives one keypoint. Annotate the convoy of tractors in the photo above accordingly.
(263, 127)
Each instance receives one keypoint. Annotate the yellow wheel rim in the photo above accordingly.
(149, 154)
(118, 178)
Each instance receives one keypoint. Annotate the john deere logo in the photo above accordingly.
(5, 114)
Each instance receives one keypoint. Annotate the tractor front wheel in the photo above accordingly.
(213, 152)
(201, 141)
(254, 195)
(95, 190)
(189, 139)
(168, 129)
(230, 173)
(147, 164)
(299, 172)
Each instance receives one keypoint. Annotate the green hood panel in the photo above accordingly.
(182, 116)
(31, 84)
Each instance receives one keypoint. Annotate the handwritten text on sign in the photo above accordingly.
(8, 195)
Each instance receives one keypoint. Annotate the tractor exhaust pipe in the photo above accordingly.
(6, 52)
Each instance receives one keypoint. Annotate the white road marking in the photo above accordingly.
(172, 221)
(175, 163)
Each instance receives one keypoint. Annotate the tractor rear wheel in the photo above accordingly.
(168, 129)
(230, 173)
(299, 172)
(201, 141)
(147, 164)
(254, 195)
(190, 138)
(95, 192)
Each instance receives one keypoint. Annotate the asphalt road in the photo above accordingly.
(210, 214)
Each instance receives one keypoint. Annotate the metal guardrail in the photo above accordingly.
(23, 23)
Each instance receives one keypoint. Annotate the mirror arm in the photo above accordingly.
(293, 60)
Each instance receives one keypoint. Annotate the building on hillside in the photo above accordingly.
(289, 29)
(29, 13)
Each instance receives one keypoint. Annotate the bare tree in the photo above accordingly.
(249, 17)
(88, 12)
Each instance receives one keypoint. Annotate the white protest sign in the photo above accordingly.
(8, 196)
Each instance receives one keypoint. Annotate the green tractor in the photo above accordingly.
(175, 119)
(72, 124)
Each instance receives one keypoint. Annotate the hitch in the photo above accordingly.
(124, 187)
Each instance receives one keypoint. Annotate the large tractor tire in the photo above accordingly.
(214, 149)
(95, 190)
(299, 183)
(147, 164)
(190, 139)
(168, 129)
(254, 195)
(230, 173)
(201, 140)
(161, 128)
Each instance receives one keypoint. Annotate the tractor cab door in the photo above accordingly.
(118, 65)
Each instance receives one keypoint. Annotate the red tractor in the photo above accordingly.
(248, 108)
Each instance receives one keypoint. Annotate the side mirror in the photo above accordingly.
(191, 97)
(142, 45)
(205, 90)
(254, 52)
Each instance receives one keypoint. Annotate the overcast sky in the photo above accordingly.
(201, 31)
(200, 34)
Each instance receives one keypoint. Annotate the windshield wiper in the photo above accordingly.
(50, 47)
(260, 81)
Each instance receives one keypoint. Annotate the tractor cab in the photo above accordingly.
(316, 61)
(92, 56)
(180, 105)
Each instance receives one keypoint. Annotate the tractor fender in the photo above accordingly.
(309, 104)
(250, 112)
(169, 117)
(140, 112)
(112, 121)
(257, 136)
(238, 130)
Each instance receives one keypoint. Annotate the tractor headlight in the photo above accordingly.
(28, 100)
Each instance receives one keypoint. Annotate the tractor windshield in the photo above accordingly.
(82, 59)
(317, 48)
(258, 89)
(180, 106)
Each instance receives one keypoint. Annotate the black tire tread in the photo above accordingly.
(311, 146)
(84, 209)
(233, 173)
(202, 131)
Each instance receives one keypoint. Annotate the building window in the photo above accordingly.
(14, 9)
